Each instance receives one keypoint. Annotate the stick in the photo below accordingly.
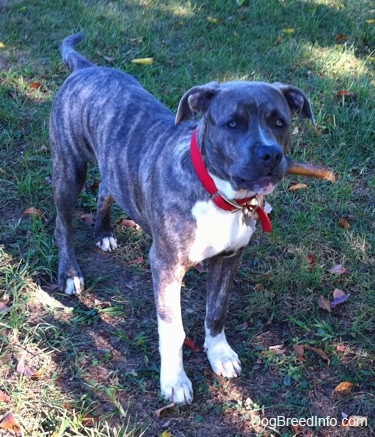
(310, 171)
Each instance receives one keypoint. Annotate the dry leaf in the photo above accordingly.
(346, 93)
(341, 348)
(131, 224)
(344, 389)
(191, 345)
(4, 397)
(311, 259)
(343, 222)
(341, 38)
(88, 219)
(89, 421)
(26, 370)
(213, 20)
(318, 351)
(3, 307)
(339, 297)
(297, 187)
(143, 61)
(33, 211)
(289, 30)
(2, 45)
(160, 410)
(35, 85)
(10, 422)
(324, 303)
(338, 269)
(138, 260)
(277, 349)
(299, 349)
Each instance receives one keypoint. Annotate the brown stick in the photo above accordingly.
(310, 171)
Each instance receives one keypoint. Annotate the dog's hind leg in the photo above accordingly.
(68, 180)
(221, 271)
(104, 236)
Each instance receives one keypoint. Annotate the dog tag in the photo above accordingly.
(249, 218)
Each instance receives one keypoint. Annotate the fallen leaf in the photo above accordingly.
(89, 421)
(343, 222)
(299, 349)
(213, 20)
(339, 297)
(131, 224)
(344, 388)
(33, 211)
(107, 58)
(4, 397)
(277, 349)
(341, 348)
(311, 259)
(10, 422)
(35, 85)
(318, 351)
(138, 260)
(338, 269)
(3, 307)
(371, 21)
(297, 187)
(2, 45)
(191, 345)
(26, 370)
(166, 434)
(143, 61)
(88, 219)
(341, 38)
(289, 30)
(324, 303)
(166, 407)
(345, 93)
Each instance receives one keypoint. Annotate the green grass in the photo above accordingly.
(98, 354)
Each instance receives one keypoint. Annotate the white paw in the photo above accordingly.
(178, 390)
(74, 285)
(224, 361)
(107, 244)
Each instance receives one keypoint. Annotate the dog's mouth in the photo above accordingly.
(264, 185)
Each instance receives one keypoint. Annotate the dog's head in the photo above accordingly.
(245, 129)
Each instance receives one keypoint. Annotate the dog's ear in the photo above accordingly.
(297, 100)
(196, 100)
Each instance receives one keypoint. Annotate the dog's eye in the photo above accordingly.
(280, 123)
(232, 124)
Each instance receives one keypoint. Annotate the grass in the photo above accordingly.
(97, 355)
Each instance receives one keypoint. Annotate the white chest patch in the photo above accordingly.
(218, 231)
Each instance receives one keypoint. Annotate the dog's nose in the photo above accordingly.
(269, 155)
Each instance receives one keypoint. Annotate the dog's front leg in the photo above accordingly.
(224, 361)
(175, 385)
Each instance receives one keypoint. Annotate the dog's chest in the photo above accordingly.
(218, 231)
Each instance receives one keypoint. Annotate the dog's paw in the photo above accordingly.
(224, 361)
(107, 244)
(178, 390)
(74, 285)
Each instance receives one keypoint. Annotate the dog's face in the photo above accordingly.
(245, 130)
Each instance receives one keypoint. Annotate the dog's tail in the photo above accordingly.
(72, 59)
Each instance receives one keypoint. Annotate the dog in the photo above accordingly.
(193, 183)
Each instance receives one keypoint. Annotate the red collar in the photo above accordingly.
(248, 205)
